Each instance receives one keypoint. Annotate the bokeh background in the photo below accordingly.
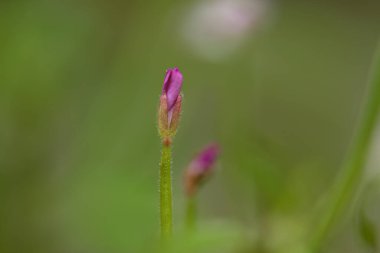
(279, 84)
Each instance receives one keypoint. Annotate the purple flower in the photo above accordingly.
(172, 86)
(201, 168)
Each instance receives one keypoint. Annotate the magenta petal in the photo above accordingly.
(172, 86)
(166, 81)
(206, 158)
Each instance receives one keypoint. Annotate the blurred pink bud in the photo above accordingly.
(200, 168)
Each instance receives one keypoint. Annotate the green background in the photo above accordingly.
(79, 149)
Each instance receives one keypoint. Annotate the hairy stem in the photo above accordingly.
(346, 184)
(166, 192)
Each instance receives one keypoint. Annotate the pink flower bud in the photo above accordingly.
(170, 103)
(200, 168)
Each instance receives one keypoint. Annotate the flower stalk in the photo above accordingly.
(168, 118)
(166, 192)
(191, 207)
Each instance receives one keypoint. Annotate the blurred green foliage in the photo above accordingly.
(79, 149)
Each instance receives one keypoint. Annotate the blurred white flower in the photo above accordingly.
(216, 28)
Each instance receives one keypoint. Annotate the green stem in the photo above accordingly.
(166, 193)
(346, 184)
(191, 212)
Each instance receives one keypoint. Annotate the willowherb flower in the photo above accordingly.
(170, 103)
(200, 168)
(168, 118)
